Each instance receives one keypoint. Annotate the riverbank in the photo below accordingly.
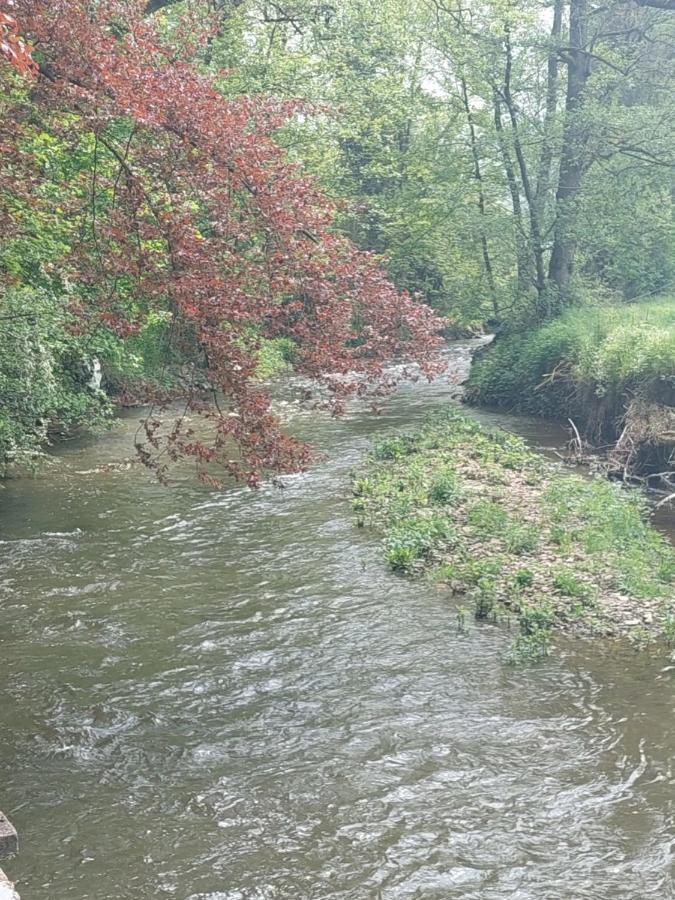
(512, 537)
(42, 406)
(611, 369)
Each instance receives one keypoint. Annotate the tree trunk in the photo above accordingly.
(546, 158)
(561, 264)
(535, 225)
(478, 176)
(522, 248)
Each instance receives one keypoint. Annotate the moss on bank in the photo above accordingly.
(612, 369)
(477, 512)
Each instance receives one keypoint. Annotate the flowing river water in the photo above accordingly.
(227, 696)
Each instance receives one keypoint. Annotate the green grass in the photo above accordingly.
(588, 364)
(274, 357)
(552, 549)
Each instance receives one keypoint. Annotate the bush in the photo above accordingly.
(443, 487)
(414, 539)
(44, 376)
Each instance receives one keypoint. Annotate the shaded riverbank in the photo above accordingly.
(216, 695)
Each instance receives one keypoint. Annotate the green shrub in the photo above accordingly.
(536, 617)
(571, 585)
(522, 539)
(44, 376)
(488, 517)
(484, 598)
(523, 578)
(530, 647)
(443, 487)
(394, 447)
(414, 539)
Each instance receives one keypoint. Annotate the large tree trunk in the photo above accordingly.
(561, 265)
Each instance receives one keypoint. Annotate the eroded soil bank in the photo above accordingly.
(609, 368)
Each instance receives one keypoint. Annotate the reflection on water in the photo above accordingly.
(228, 697)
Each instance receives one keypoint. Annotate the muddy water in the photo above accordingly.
(228, 697)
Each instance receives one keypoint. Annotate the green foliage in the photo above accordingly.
(428, 181)
(529, 648)
(523, 578)
(522, 539)
(488, 517)
(610, 524)
(536, 621)
(569, 584)
(385, 136)
(484, 569)
(536, 617)
(513, 372)
(394, 448)
(591, 365)
(422, 492)
(414, 539)
(275, 357)
(443, 487)
(49, 348)
(44, 376)
(484, 598)
(627, 229)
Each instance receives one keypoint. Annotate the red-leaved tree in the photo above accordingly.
(13, 48)
(190, 207)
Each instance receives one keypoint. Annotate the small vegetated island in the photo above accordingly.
(512, 537)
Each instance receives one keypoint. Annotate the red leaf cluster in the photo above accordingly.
(12, 46)
(198, 213)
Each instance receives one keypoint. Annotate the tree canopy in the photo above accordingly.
(184, 184)
(182, 204)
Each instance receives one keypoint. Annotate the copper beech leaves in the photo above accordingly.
(189, 207)
(13, 48)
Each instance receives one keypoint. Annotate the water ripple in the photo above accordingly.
(227, 697)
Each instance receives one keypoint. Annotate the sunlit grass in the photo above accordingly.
(548, 548)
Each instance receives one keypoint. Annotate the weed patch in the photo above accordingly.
(552, 550)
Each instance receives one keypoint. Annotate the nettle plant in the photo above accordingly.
(188, 206)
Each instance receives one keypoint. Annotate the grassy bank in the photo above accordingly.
(513, 537)
(611, 369)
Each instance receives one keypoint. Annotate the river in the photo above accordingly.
(227, 696)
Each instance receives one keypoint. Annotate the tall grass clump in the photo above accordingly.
(610, 368)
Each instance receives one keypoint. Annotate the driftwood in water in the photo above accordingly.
(646, 445)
